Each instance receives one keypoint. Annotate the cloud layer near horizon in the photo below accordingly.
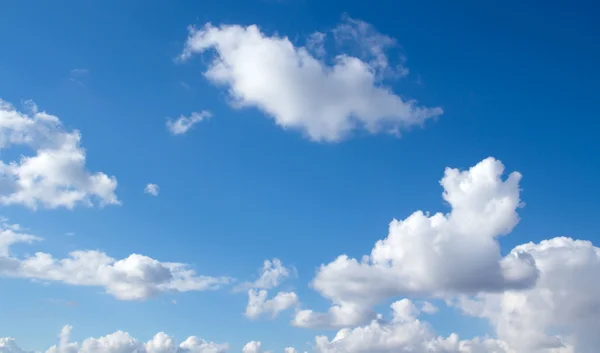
(136, 277)
(540, 298)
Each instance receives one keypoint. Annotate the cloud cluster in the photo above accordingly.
(55, 174)
(403, 333)
(303, 91)
(433, 255)
(122, 342)
(135, 277)
(183, 124)
(273, 272)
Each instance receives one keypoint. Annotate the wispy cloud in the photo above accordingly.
(152, 189)
(184, 123)
(78, 76)
(62, 302)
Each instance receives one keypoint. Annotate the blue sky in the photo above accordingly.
(515, 80)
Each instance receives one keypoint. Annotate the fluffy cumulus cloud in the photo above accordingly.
(184, 123)
(152, 189)
(259, 305)
(403, 333)
(135, 277)
(326, 97)
(122, 342)
(437, 254)
(272, 274)
(9, 345)
(252, 347)
(54, 173)
(561, 313)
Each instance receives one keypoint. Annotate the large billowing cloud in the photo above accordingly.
(122, 342)
(324, 98)
(562, 312)
(54, 174)
(433, 255)
(135, 277)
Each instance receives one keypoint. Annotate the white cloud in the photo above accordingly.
(9, 345)
(78, 76)
(404, 333)
(429, 308)
(561, 312)
(135, 277)
(315, 43)
(252, 347)
(77, 72)
(122, 342)
(326, 102)
(370, 46)
(436, 254)
(259, 305)
(183, 123)
(272, 274)
(338, 315)
(55, 174)
(152, 189)
(11, 234)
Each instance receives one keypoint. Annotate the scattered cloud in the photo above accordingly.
(11, 234)
(315, 44)
(80, 72)
(369, 45)
(152, 189)
(9, 345)
(185, 85)
(79, 76)
(403, 333)
(252, 347)
(183, 124)
(122, 342)
(338, 315)
(326, 102)
(259, 305)
(272, 274)
(429, 308)
(55, 174)
(136, 277)
(434, 255)
(62, 302)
